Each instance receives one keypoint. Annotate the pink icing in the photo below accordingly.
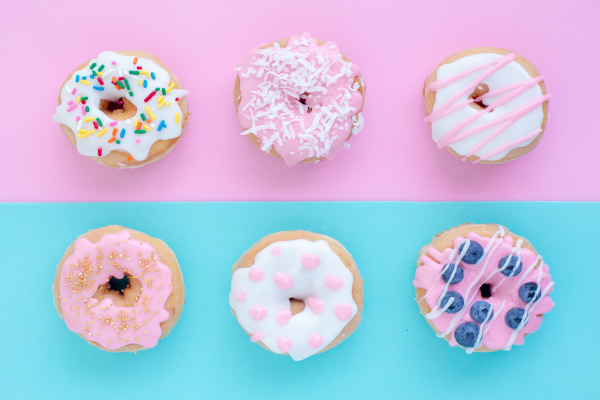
(258, 312)
(316, 305)
(256, 336)
(256, 274)
(309, 88)
(310, 261)
(456, 133)
(284, 281)
(315, 340)
(275, 250)
(283, 316)
(241, 295)
(333, 282)
(92, 265)
(496, 334)
(284, 344)
(343, 311)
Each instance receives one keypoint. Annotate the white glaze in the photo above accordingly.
(307, 283)
(510, 74)
(89, 145)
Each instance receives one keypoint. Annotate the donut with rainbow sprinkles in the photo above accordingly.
(299, 99)
(123, 109)
(482, 287)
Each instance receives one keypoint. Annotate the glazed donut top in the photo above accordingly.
(302, 99)
(518, 281)
(299, 269)
(513, 115)
(112, 76)
(92, 265)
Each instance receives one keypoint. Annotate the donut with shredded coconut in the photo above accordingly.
(299, 99)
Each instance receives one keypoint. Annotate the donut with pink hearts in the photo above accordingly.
(297, 293)
(482, 287)
(119, 289)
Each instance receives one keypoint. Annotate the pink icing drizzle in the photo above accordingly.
(456, 133)
(92, 265)
(277, 81)
(496, 334)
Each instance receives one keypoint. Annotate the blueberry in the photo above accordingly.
(466, 334)
(514, 317)
(514, 264)
(473, 254)
(480, 311)
(527, 292)
(458, 275)
(456, 305)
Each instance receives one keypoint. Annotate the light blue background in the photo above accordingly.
(393, 354)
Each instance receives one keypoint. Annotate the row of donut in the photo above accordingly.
(300, 293)
(301, 99)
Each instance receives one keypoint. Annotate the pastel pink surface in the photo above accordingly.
(395, 43)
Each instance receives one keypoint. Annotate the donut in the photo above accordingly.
(299, 99)
(297, 293)
(123, 109)
(482, 287)
(119, 289)
(486, 105)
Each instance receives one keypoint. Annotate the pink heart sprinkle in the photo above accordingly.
(284, 344)
(310, 261)
(256, 336)
(258, 312)
(333, 282)
(284, 281)
(241, 295)
(283, 316)
(343, 311)
(315, 340)
(256, 274)
(316, 305)
(275, 250)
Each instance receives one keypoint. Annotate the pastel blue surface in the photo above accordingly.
(393, 354)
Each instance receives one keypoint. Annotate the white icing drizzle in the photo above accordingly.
(98, 142)
(286, 259)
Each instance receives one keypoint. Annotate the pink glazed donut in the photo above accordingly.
(119, 289)
(299, 99)
(482, 287)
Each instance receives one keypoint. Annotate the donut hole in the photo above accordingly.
(296, 305)
(124, 292)
(302, 99)
(118, 109)
(480, 90)
(486, 291)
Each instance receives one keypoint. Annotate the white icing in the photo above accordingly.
(307, 283)
(508, 75)
(90, 144)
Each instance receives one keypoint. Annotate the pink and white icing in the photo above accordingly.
(513, 117)
(494, 333)
(92, 265)
(298, 269)
(301, 99)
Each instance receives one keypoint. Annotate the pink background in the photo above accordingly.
(395, 43)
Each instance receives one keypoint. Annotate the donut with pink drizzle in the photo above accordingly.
(299, 99)
(119, 289)
(486, 105)
(297, 293)
(482, 287)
